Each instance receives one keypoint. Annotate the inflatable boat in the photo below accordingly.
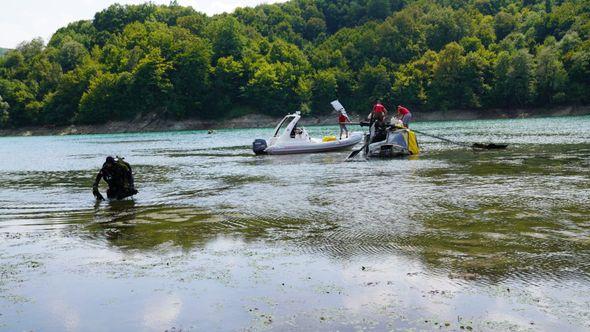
(290, 138)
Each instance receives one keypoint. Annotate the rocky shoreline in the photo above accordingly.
(152, 123)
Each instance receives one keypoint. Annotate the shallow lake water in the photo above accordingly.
(220, 239)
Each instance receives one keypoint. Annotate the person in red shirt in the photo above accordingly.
(379, 112)
(404, 115)
(343, 120)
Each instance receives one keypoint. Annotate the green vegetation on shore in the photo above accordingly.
(299, 55)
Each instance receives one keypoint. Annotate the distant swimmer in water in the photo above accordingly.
(119, 176)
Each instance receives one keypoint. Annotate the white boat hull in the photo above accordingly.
(315, 147)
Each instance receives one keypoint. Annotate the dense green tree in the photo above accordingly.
(514, 79)
(150, 87)
(281, 51)
(566, 16)
(229, 81)
(324, 88)
(14, 65)
(521, 79)
(551, 77)
(400, 38)
(46, 73)
(82, 32)
(115, 18)
(475, 80)
(504, 23)
(275, 88)
(172, 13)
(107, 98)
(484, 30)
(299, 55)
(502, 90)
(61, 106)
(4, 114)
(190, 77)
(445, 25)
(446, 89)
(412, 81)
(408, 87)
(578, 68)
(24, 107)
(195, 23)
(378, 9)
(315, 28)
(471, 44)
(71, 54)
(31, 49)
(374, 82)
(227, 36)
(570, 42)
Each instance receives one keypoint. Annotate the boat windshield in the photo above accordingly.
(283, 125)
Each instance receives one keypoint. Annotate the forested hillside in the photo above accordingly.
(299, 55)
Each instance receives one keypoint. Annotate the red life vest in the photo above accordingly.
(403, 111)
(378, 108)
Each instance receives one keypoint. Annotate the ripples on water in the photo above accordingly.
(519, 215)
(446, 203)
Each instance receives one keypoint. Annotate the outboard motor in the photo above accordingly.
(259, 146)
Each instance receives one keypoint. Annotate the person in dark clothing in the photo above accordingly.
(119, 176)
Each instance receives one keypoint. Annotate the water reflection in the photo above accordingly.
(127, 225)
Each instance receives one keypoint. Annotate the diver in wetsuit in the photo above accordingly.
(119, 176)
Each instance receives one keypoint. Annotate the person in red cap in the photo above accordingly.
(379, 111)
(404, 115)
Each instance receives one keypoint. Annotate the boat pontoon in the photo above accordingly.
(290, 138)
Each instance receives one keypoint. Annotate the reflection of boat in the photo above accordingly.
(289, 138)
(388, 141)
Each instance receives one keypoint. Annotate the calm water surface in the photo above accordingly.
(220, 239)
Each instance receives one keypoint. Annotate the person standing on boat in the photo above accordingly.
(343, 119)
(379, 112)
(404, 115)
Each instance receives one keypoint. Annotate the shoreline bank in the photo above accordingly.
(152, 123)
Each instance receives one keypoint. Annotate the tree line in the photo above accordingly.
(299, 55)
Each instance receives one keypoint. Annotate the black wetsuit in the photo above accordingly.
(119, 177)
